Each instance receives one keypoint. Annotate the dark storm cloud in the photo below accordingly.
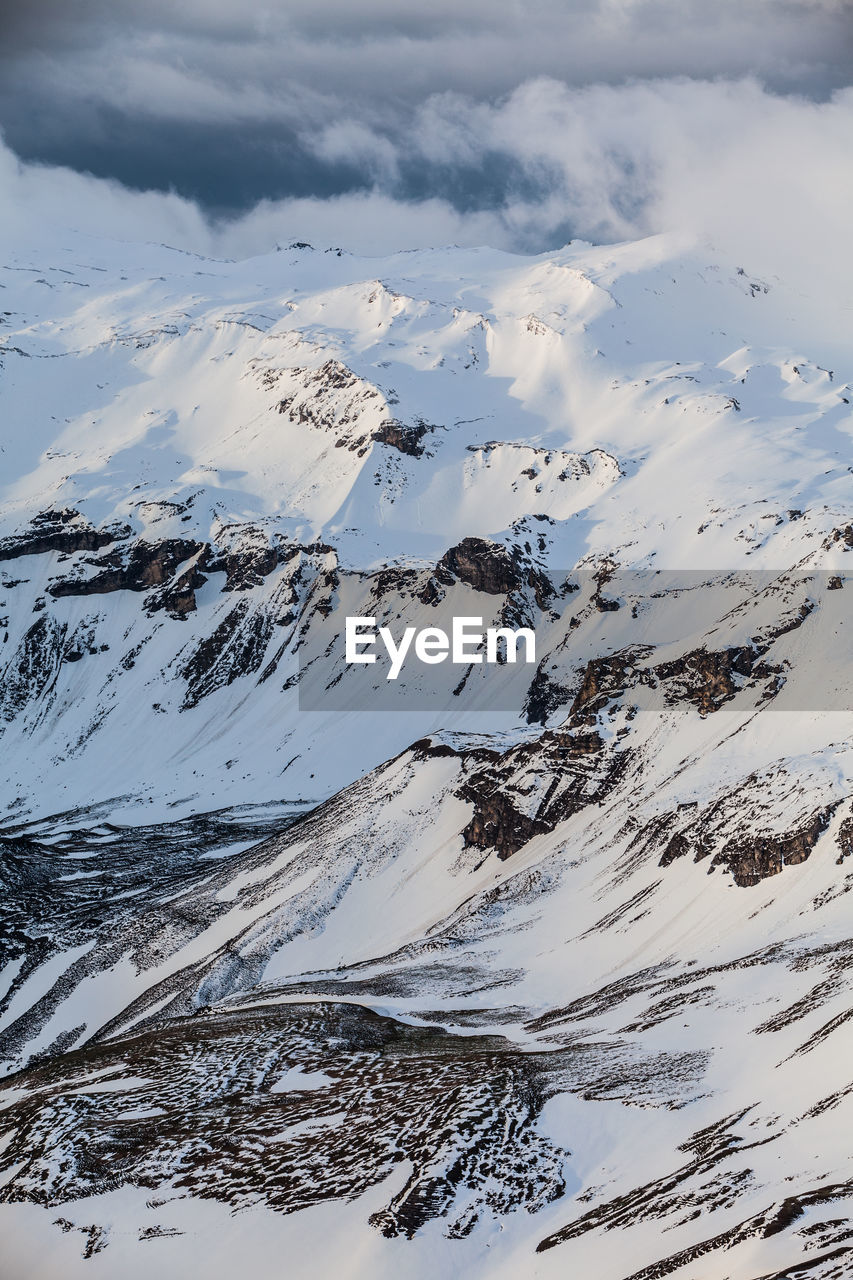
(320, 98)
(381, 125)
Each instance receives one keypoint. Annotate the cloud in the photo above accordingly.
(378, 125)
(233, 107)
(762, 175)
(40, 203)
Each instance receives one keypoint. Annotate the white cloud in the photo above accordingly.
(370, 223)
(764, 176)
(384, 52)
(42, 200)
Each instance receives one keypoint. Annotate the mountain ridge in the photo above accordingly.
(604, 898)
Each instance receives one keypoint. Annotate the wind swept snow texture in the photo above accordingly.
(546, 985)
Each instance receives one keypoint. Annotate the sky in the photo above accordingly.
(380, 125)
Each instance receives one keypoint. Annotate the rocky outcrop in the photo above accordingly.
(844, 535)
(750, 858)
(62, 531)
(606, 678)
(680, 845)
(235, 648)
(495, 570)
(707, 678)
(335, 399)
(138, 568)
(844, 839)
(533, 787)
(33, 668)
(403, 436)
(485, 566)
(246, 567)
(456, 1115)
(544, 696)
(497, 824)
(755, 858)
(246, 556)
(177, 599)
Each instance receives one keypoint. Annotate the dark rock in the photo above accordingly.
(245, 567)
(393, 581)
(705, 677)
(145, 565)
(433, 591)
(178, 598)
(60, 531)
(758, 857)
(426, 749)
(845, 839)
(403, 436)
(485, 566)
(34, 666)
(580, 773)
(678, 846)
(606, 678)
(235, 648)
(498, 825)
(544, 697)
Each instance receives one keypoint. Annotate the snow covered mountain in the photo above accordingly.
(540, 977)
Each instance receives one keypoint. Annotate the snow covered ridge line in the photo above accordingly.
(462, 647)
(651, 636)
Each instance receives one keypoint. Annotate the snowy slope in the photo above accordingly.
(544, 975)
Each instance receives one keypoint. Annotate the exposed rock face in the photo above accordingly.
(62, 531)
(153, 566)
(33, 667)
(845, 839)
(706, 678)
(497, 824)
(606, 678)
(236, 648)
(143, 566)
(750, 858)
(393, 581)
(404, 437)
(471, 1141)
(178, 597)
(245, 567)
(492, 568)
(544, 696)
(757, 857)
(681, 844)
(531, 788)
(485, 566)
(844, 535)
(332, 398)
(335, 399)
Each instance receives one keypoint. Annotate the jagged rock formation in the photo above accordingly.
(61, 531)
(483, 565)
